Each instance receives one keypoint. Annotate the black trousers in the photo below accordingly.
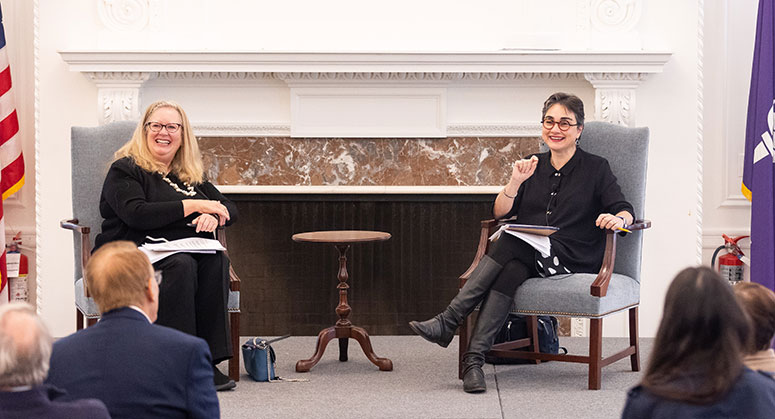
(518, 260)
(193, 297)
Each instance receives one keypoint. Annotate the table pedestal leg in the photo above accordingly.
(344, 334)
(324, 337)
(343, 344)
(344, 329)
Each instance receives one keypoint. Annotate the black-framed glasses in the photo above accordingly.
(564, 125)
(171, 128)
(158, 277)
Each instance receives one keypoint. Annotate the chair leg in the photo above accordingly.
(78, 320)
(234, 361)
(595, 352)
(532, 330)
(634, 341)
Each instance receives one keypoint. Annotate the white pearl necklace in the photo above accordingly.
(189, 189)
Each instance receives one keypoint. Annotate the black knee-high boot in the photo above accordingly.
(441, 328)
(491, 317)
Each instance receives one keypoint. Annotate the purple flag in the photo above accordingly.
(759, 164)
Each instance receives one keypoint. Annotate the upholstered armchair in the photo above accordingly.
(92, 151)
(616, 288)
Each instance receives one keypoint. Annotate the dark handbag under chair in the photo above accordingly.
(515, 328)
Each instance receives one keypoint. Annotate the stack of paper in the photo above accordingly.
(163, 248)
(535, 236)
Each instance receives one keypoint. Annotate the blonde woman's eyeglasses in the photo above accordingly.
(157, 127)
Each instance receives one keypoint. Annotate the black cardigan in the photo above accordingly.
(136, 203)
(584, 188)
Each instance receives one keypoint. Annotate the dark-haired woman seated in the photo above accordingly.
(696, 368)
(565, 187)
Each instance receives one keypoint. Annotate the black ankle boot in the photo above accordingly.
(441, 329)
(222, 381)
(473, 376)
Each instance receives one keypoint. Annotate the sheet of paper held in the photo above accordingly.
(163, 248)
(539, 242)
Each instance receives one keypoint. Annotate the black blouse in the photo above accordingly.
(571, 198)
(136, 203)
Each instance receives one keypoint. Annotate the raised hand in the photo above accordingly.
(523, 169)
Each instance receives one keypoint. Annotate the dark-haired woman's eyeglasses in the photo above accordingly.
(564, 125)
(156, 127)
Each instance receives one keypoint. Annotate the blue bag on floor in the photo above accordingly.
(515, 328)
(260, 358)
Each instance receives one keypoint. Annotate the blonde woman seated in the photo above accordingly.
(759, 303)
(696, 368)
(156, 187)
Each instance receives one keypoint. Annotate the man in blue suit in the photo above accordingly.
(138, 369)
(25, 348)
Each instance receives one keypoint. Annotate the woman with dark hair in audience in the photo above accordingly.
(565, 187)
(696, 368)
(758, 302)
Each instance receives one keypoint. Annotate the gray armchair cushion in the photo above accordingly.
(85, 305)
(568, 295)
(92, 151)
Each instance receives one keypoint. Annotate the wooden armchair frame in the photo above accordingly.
(599, 288)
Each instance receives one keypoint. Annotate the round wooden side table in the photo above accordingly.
(343, 329)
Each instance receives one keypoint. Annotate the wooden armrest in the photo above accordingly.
(599, 287)
(73, 225)
(488, 227)
(639, 225)
(234, 280)
(84, 231)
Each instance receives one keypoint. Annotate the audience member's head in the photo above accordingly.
(759, 303)
(25, 346)
(698, 349)
(120, 275)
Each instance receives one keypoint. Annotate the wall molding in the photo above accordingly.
(503, 61)
(239, 129)
(236, 129)
(524, 129)
(121, 75)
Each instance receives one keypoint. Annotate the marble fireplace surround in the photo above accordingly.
(331, 154)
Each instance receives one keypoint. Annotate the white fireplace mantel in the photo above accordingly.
(414, 82)
(505, 61)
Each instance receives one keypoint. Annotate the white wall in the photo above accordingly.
(728, 57)
(669, 103)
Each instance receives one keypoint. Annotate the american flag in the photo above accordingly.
(11, 159)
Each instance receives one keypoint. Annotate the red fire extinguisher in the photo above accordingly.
(730, 263)
(17, 284)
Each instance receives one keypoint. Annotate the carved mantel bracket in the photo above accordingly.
(615, 96)
(118, 94)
